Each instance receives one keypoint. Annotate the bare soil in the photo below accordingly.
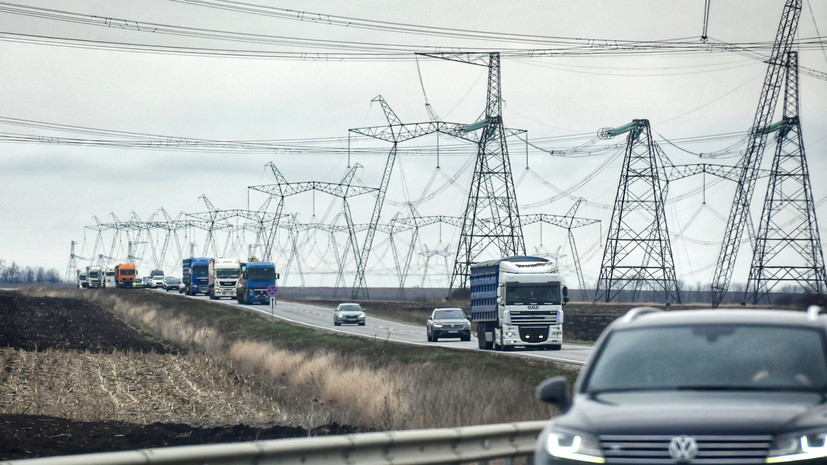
(35, 325)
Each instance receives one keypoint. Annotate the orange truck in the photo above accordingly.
(125, 274)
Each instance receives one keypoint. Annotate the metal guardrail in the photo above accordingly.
(414, 447)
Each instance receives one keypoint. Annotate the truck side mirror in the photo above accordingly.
(278, 276)
(565, 294)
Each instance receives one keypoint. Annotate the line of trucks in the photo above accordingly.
(515, 301)
(248, 282)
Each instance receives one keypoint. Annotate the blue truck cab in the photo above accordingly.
(255, 278)
(195, 277)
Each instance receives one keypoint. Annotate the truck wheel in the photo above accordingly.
(481, 336)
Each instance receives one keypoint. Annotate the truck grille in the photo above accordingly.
(543, 317)
(654, 450)
(534, 334)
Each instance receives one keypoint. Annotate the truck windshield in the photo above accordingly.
(226, 273)
(199, 269)
(533, 294)
(261, 274)
(128, 272)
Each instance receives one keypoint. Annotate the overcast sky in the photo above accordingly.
(51, 190)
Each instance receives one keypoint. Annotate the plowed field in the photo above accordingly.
(74, 379)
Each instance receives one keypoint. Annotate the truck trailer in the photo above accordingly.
(125, 274)
(223, 276)
(194, 275)
(518, 301)
(255, 278)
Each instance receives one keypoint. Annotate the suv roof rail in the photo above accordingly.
(813, 311)
(635, 312)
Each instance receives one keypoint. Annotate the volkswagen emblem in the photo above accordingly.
(683, 448)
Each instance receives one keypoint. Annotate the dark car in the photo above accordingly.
(172, 283)
(448, 322)
(695, 387)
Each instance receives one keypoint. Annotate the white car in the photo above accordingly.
(157, 281)
(349, 313)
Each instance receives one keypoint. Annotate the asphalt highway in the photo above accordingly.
(322, 318)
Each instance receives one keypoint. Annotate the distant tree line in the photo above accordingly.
(15, 273)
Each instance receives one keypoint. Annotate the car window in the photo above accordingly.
(710, 356)
(453, 314)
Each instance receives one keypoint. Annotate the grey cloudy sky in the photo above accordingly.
(50, 191)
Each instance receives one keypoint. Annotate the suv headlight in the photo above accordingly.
(569, 445)
(799, 446)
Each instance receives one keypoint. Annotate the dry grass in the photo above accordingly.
(131, 387)
(232, 381)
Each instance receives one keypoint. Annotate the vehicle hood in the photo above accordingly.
(451, 321)
(695, 412)
(350, 312)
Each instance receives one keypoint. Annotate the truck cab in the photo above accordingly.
(125, 274)
(256, 277)
(108, 277)
(223, 274)
(195, 275)
(93, 276)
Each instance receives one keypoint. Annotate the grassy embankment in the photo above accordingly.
(315, 377)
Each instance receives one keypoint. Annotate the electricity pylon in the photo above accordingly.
(72, 267)
(638, 252)
(492, 217)
(788, 247)
(751, 161)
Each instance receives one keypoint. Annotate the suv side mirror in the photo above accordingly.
(555, 391)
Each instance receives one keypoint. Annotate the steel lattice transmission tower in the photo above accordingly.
(72, 267)
(751, 161)
(788, 246)
(638, 253)
(492, 217)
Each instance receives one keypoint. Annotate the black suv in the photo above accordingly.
(695, 387)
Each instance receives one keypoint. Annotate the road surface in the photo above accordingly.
(322, 318)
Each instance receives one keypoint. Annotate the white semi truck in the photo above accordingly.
(518, 301)
(108, 279)
(94, 276)
(223, 277)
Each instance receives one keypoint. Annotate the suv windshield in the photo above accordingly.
(453, 314)
(710, 357)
